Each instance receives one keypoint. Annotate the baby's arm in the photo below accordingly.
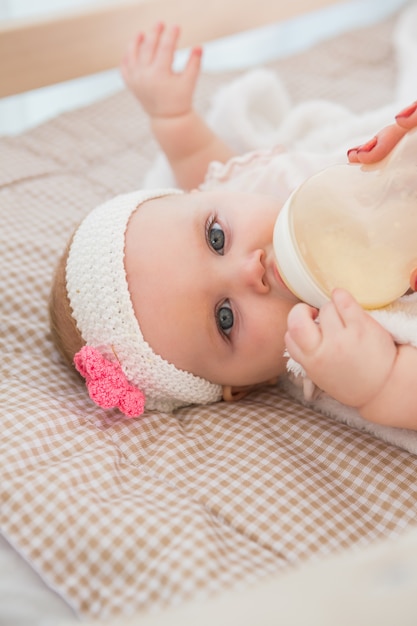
(355, 360)
(166, 96)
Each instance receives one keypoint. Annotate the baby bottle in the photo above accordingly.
(352, 226)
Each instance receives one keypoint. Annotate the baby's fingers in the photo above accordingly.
(347, 309)
(130, 57)
(167, 44)
(150, 43)
(303, 335)
(192, 69)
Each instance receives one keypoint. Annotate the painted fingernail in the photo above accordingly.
(368, 146)
(408, 111)
(352, 150)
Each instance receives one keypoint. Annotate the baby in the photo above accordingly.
(166, 298)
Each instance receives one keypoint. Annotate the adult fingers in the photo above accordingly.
(379, 146)
(407, 118)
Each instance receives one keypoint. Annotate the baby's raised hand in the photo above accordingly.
(347, 353)
(147, 72)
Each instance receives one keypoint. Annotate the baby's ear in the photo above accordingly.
(233, 394)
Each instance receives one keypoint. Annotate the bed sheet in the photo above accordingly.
(120, 516)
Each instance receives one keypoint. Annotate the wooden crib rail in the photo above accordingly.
(39, 52)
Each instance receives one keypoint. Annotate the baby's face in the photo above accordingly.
(204, 287)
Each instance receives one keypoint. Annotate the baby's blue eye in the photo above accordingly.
(216, 237)
(225, 318)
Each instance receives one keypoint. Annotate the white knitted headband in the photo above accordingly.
(102, 308)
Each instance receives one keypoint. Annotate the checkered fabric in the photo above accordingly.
(126, 515)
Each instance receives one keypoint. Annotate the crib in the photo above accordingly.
(258, 512)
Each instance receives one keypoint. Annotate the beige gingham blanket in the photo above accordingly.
(120, 516)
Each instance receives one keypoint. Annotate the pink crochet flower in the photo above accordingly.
(107, 385)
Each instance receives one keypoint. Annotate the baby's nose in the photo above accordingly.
(253, 271)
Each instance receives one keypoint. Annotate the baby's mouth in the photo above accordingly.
(279, 281)
(278, 276)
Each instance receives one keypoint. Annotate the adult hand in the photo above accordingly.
(379, 146)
